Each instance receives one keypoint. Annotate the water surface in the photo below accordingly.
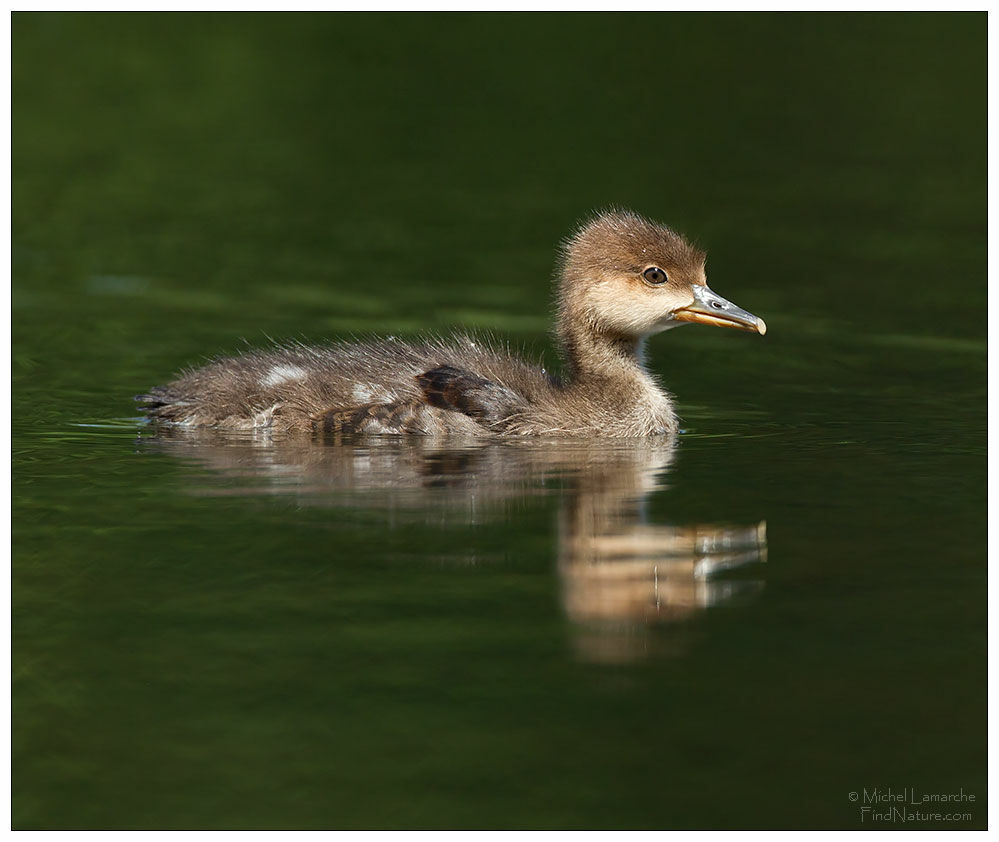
(735, 629)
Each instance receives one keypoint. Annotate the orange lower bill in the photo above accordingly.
(709, 319)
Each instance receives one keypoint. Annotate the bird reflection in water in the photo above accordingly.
(621, 576)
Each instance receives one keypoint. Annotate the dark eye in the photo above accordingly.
(655, 275)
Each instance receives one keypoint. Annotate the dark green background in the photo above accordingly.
(182, 183)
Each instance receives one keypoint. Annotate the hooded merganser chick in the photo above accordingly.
(622, 278)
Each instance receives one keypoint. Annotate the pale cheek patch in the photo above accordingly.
(637, 312)
(282, 374)
(619, 309)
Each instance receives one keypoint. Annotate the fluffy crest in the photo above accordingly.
(622, 241)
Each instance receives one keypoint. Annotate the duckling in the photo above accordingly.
(621, 279)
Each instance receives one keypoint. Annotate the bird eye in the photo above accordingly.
(655, 275)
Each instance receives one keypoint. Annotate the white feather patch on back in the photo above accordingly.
(282, 374)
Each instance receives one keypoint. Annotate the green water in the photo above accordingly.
(237, 633)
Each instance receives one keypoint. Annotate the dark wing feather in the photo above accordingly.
(447, 387)
(444, 388)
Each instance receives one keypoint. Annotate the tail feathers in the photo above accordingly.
(160, 402)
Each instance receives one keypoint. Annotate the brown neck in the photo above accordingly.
(595, 356)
